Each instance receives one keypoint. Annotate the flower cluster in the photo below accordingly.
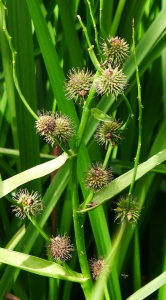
(115, 49)
(31, 204)
(56, 128)
(132, 213)
(78, 84)
(97, 266)
(60, 248)
(108, 132)
(97, 177)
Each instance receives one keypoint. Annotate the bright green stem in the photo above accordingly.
(84, 120)
(79, 229)
(94, 25)
(14, 65)
(106, 293)
(130, 113)
(139, 119)
(111, 257)
(34, 222)
(101, 21)
(90, 49)
(107, 157)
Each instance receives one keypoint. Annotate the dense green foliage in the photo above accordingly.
(49, 40)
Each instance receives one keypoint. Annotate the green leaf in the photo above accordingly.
(39, 171)
(149, 288)
(100, 115)
(120, 183)
(38, 266)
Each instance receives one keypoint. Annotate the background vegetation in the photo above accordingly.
(49, 41)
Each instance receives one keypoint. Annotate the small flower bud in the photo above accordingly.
(117, 49)
(111, 81)
(97, 266)
(60, 248)
(31, 204)
(78, 84)
(45, 125)
(108, 132)
(132, 214)
(97, 177)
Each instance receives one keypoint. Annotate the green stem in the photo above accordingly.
(90, 49)
(14, 65)
(94, 25)
(130, 113)
(101, 21)
(34, 222)
(107, 157)
(13, 202)
(79, 229)
(139, 119)
(106, 293)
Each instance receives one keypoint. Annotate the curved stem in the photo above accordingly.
(90, 49)
(94, 25)
(14, 66)
(139, 120)
(130, 113)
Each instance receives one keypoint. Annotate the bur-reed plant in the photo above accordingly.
(82, 81)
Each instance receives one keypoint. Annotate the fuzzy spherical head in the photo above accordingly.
(78, 84)
(97, 266)
(64, 128)
(31, 204)
(111, 81)
(45, 125)
(115, 48)
(122, 211)
(97, 177)
(60, 248)
(108, 132)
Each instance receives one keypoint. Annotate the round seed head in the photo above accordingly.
(108, 132)
(96, 267)
(117, 49)
(64, 128)
(31, 204)
(60, 248)
(122, 211)
(78, 84)
(111, 81)
(45, 126)
(97, 177)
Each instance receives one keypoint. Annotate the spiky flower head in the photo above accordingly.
(31, 204)
(97, 266)
(97, 177)
(64, 128)
(60, 248)
(115, 48)
(78, 83)
(110, 81)
(55, 127)
(122, 211)
(108, 132)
